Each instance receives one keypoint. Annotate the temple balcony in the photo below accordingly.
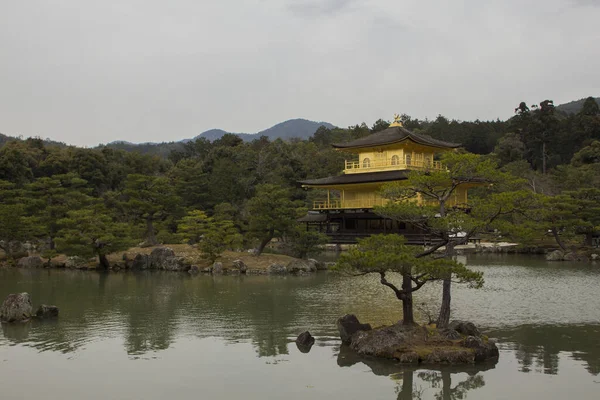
(355, 167)
(348, 204)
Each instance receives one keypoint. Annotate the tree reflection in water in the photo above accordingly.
(537, 348)
(435, 377)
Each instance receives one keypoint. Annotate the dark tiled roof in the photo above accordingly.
(394, 134)
(312, 217)
(366, 177)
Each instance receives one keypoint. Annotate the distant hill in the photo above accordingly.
(293, 128)
(573, 107)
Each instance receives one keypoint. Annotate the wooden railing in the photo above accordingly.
(348, 204)
(389, 164)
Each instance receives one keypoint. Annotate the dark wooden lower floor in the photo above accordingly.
(347, 226)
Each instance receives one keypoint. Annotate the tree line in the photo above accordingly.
(95, 201)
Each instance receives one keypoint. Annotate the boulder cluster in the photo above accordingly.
(460, 343)
(17, 308)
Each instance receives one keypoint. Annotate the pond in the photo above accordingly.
(157, 335)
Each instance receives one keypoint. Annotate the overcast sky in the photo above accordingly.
(90, 71)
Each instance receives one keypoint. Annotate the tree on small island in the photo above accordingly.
(385, 254)
(450, 226)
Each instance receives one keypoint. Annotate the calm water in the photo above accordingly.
(169, 335)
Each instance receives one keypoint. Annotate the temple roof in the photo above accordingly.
(367, 177)
(394, 134)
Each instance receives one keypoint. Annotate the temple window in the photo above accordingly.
(395, 160)
(366, 162)
(408, 158)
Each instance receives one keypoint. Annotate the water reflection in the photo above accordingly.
(446, 382)
(148, 314)
(537, 348)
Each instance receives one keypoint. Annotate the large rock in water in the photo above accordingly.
(348, 325)
(16, 308)
(304, 341)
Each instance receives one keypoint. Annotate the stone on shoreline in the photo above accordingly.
(16, 308)
(348, 325)
(276, 269)
(556, 255)
(301, 267)
(217, 268)
(31, 262)
(240, 265)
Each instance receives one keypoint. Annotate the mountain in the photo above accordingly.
(293, 128)
(573, 107)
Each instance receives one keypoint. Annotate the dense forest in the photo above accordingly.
(94, 201)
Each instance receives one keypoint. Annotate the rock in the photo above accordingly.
(321, 266)
(449, 356)
(140, 261)
(217, 268)
(164, 258)
(31, 262)
(488, 351)
(572, 257)
(16, 308)
(465, 328)
(594, 257)
(240, 265)
(384, 342)
(301, 266)
(276, 269)
(194, 269)
(46, 312)
(556, 255)
(207, 270)
(76, 262)
(450, 334)
(348, 325)
(472, 342)
(305, 341)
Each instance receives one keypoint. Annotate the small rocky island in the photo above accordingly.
(460, 343)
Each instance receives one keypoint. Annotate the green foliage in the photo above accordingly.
(213, 235)
(92, 232)
(390, 253)
(382, 254)
(150, 199)
(302, 242)
(271, 212)
(193, 226)
(220, 236)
